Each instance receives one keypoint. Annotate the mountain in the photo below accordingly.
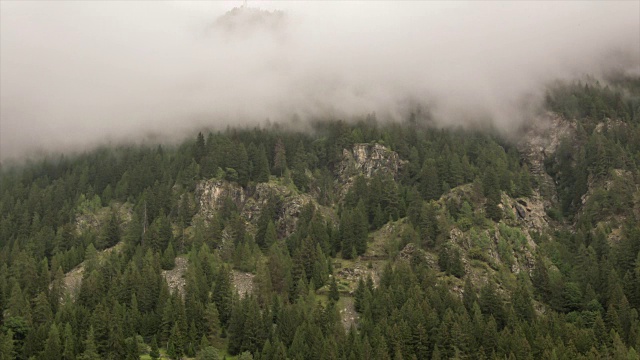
(246, 20)
(360, 240)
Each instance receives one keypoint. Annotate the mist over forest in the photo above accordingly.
(319, 180)
(76, 74)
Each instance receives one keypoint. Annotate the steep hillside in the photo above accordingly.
(363, 241)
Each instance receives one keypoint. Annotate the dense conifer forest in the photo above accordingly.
(355, 240)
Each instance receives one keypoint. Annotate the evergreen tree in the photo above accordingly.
(223, 295)
(131, 349)
(491, 190)
(154, 352)
(68, 343)
(168, 258)
(90, 350)
(175, 344)
(208, 353)
(111, 233)
(334, 295)
(279, 158)
(53, 347)
(212, 319)
(7, 351)
(429, 227)
(521, 298)
(261, 165)
(199, 149)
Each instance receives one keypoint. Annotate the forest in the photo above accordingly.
(360, 239)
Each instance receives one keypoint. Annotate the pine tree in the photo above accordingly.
(132, 352)
(361, 226)
(111, 231)
(540, 278)
(469, 295)
(430, 182)
(52, 347)
(212, 318)
(491, 190)
(241, 164)
(223, 295)
(175, 345)
(279, 158)
(155, 352)
(168, 258)
(90, 350)
(42, 313)
(429, 227)
(7, 351)
(199, 149)
(208, 353)
(68, 343)
(261, 165)
(522, 303)
(490, 303)
(270, 236)
(334, 295)
(359, 295)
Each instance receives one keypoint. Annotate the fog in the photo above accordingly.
(77, 74)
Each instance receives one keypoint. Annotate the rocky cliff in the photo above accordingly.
(366, 160)
(212, 195)
(540, 141)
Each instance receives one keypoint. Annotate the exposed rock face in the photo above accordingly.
(287, 215)
(243, 282)
(610, 124)
(530, 212)
(368, 159)
(615, 174)
(73, 280)
(348, 314)
(212, 194)
(93, 219)
(410, 251)
(175, 277)
(353, 274)
(541, 139)
(619, 180)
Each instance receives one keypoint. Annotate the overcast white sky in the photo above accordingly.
(74, 74)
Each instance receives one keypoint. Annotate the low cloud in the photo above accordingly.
(77, 74)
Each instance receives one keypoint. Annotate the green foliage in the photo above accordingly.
(450, 261)
(208, 353)
(154, 352)
(353, 231)
(492, 194)
(585, 272)
(223, 295)
(90, 350)
(334, 295)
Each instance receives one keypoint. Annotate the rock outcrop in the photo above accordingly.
(540, 141)
(530, 212)
(175, 277)
(366, 160)
(242, 282)
(213, 194)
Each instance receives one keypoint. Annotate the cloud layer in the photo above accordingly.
(76, 74)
